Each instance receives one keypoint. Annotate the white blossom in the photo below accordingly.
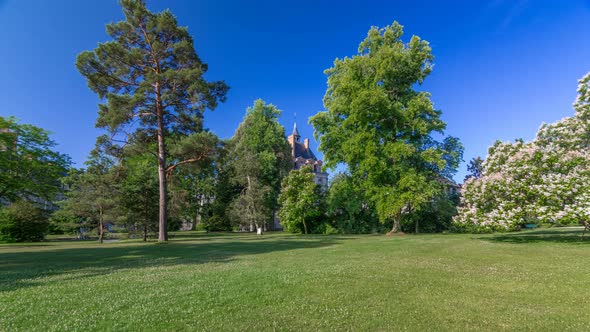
(545, 180)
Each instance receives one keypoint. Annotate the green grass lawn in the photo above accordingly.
(535, 280)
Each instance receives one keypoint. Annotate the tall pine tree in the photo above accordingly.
(150, 80)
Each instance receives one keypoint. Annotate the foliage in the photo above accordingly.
(63, 223)
(92, 198)
(138, 191)
(348, 207)
(29, 166)
(475, 168)
(381, 128)
(23, 221)
(545, 180)
(261, 158)
(434, 217)
(152, 84)
(249, 207)
(192, 187)
(225, 191)
(301, 201)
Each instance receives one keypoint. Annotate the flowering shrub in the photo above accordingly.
(546, 180)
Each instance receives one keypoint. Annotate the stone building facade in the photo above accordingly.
(301, 155)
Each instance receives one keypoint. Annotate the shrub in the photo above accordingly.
(23, 221)
(215, 223)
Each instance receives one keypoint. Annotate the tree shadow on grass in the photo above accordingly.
(557, 235)
(19, 269)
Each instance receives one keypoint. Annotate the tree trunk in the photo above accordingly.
(304, 225)
(586, 226)
(163, 221)
(146, 220)
(396, 224)
(100, 225)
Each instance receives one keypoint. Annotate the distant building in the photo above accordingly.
(451, 187)
(301, 155)
(8, 139)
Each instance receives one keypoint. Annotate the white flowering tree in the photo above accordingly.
(546, 180)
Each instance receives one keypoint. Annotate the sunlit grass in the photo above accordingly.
(536, 280)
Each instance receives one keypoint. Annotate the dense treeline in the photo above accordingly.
(158, 169)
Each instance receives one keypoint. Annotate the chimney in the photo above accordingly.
(306, 143)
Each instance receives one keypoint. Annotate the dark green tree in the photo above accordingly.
(225, 191)
(139, 194)
(250, 206)
(23, 221)
(436, 216)
(348, 207)
(152, 84)
(30, 168)
(380, 127)
(261, 158)
(92, 196)
(475, 168)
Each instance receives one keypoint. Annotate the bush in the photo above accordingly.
(216, 223)
(63, 224)
(325, 229)
(23, 221)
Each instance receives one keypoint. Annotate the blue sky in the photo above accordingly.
(501, 67)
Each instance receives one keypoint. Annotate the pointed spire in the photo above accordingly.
(295, 133)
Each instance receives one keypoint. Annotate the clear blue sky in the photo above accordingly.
(501, 68)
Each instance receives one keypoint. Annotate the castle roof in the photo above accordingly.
(295, 131)
(301, 151)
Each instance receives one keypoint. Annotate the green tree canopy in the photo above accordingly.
(261, 158)
(475, 168)
(29, 165)
(92, 195)
(300, 199)
(380, 127)
(138, 194)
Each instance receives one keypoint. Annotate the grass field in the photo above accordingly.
(536, 280)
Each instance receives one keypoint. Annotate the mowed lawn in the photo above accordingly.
(537, 280)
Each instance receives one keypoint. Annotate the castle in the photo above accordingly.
(301, 155)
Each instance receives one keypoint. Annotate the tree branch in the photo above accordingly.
(170, 168)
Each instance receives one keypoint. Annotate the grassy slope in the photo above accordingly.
(524, 281)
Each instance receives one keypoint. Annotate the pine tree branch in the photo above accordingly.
(170, 168)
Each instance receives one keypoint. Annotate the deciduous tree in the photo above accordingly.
(544, 180)
(380, 126)
(475, 168)
(30, 168)
(139, 194)
(261, 158)
(92, 196)
(300, 200)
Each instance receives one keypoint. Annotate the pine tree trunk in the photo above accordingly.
(100, 226)
(147, 218)
(163, 222)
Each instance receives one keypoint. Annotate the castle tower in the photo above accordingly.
(301, 155)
